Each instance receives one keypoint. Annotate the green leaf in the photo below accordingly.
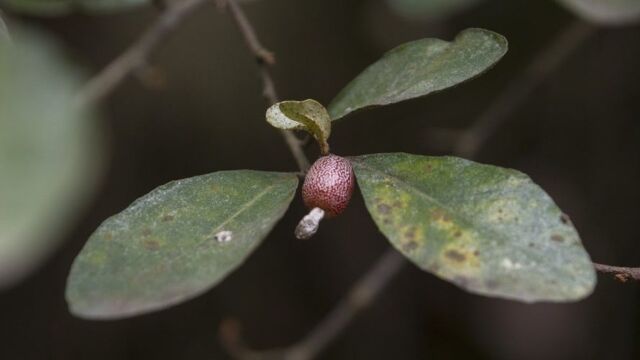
(419, 68)
(63, 7)
(429, 9)
(489, 230)
(176, 242)
(308, 115)
(49, 151)
(4, 31)
(605, 12)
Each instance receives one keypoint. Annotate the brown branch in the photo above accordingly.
(620, 273)
(137, 54)
(265, 58)
(359, 297)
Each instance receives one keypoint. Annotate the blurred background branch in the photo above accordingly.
(519, 89)
(136, 56)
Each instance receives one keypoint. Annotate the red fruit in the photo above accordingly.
(329, 185)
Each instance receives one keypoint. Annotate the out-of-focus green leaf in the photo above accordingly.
(63, 7)
(419, 68)
(489, 230)
(4, 31)
(308, 115)
(429, 9)
(176, 242)
(48, 151)
(605, 12)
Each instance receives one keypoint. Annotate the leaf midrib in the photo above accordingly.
(247, 205)
(455, 213)
(483, 230)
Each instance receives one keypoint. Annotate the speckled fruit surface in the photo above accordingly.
(329, 185)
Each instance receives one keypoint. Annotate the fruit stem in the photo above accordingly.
(309, 224)
(324, 147)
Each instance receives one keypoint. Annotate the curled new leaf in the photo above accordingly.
(489, 230)
(176, 242)
(308, 115)
(419, 68)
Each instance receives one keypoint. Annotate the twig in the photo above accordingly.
(248, 33)
(137, 54)
(265, 58)
(360, 296)
(621, 273)
(474, 137)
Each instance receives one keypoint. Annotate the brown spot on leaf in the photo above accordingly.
(564, 218)
(146, 231)
(455, 255)
(151, 244)
(492, 284)
(397, 204)
(167, 218)
(384, 209)
(410, 246)
(440, 215)
(108, 236)
(428, 168)
(457, 234)
(557, 238)
(410, 234)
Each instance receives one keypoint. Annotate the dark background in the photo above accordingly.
(577, 135)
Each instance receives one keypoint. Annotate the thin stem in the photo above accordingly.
(621, 273)
(474, 137)
(137, 54)
(265, 58)
(359, 297)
